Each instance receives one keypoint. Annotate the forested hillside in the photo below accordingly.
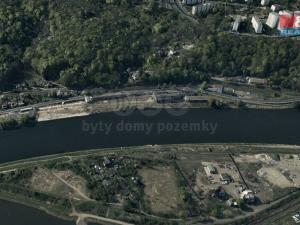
(102, 43)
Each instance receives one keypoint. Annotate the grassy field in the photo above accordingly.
(161, 191)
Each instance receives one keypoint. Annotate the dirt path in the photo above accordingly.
(81, 221)
(79, 192)
(84, 216)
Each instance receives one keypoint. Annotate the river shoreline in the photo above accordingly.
(80, 109)
(125, 101)
(204, 148)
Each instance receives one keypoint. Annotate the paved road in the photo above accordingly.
(257, 101)
(177, 5)
(42, 104)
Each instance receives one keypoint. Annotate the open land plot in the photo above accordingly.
(43, 180)
(61, 183)
(284, 166)
(270, 175)
(275, 177)
(62, 111)
(191, 161)
(76, 183)
(161, 191)
(194, 166)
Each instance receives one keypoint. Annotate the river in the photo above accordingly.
(142, 128)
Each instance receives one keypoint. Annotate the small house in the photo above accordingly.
(232, 203)
(296, 218)
(265, 2)
(225, 178)
(106, 162)
(276, 7)
(248, 196)
(212, 169)
(236, 25)
(88, 99)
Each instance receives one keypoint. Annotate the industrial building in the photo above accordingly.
(196, 99)
(256, 81)
(273, 19)
(171, 97)
(257, 25)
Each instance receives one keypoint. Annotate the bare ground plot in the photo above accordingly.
(82, 108)
(275, 177)
(224, 168)
(291, 165)
(76, 183)
(271, 177)
(192, 161)
(161, 191)
(287, 169)
(262, 189)
(193, 165)
(44, 180)
(62, 111)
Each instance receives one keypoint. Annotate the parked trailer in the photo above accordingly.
(26, 109)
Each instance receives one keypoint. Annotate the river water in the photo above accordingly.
(141, 128)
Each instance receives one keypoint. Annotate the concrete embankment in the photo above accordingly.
(141, 100)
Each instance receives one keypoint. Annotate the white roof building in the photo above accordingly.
(236, 24)
(265, 2)
(272, 20)
(275, 7)
(248, 196)
(202, 9)
(257, 25)
(256, 80)
(296, 218)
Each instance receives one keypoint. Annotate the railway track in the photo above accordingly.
(277, 214)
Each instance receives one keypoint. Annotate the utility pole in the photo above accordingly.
(225, 8)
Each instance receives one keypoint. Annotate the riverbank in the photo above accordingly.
(206, 149)
(79, 109)
(142, 99)
(16, 121)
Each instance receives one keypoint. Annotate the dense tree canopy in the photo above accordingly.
(19, 24)
(91, 43)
